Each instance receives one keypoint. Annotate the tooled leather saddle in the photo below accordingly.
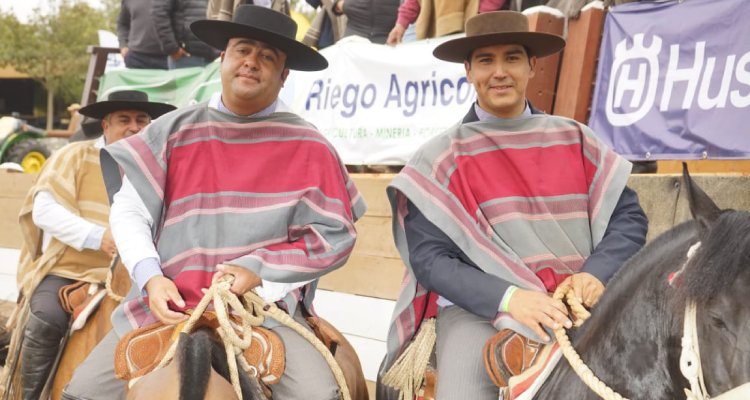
(508, 354)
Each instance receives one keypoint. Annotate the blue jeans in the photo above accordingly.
(138, 60)
(187, 62)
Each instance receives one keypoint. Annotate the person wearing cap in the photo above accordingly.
(498, 211)
(66, 232)
(237, 185)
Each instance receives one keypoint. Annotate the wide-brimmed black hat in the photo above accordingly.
(265, 25)
(498, 27)
(125, 100)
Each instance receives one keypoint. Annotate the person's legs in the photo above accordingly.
(44, 330)
(95, 378)
(461, 336)
(187, 62)
(138, 60)
(306, 374)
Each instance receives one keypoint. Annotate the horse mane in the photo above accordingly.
(194, 354)
(722, 256)
(197, 354)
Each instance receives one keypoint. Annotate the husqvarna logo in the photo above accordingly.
(691, 79)
(635, 70)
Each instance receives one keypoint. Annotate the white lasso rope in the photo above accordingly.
(584, 372)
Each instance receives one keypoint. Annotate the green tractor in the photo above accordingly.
(21, 144)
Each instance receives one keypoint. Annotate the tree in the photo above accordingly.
(51, 48)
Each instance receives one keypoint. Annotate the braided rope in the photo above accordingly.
(584, 372)
(271, 310)
(219, 293)
(407, 373)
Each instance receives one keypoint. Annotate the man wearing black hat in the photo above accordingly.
(237, 185)
(66, 232)
(497, 212)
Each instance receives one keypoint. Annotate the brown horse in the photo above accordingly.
(200, 370)
(82, 341)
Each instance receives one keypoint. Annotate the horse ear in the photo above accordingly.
(704, 210)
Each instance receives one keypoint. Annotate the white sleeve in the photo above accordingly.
(275, 291)
(58, 222)
(131, 226)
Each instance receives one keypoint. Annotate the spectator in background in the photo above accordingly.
(371, 19)
(172, 19)
(435, 18)
(139, 44)
(224, 9)
(327, 27)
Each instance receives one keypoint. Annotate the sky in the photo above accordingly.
(23, 9)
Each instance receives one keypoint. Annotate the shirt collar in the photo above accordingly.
(217, 103)
(485, 116)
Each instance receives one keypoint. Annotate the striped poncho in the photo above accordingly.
(526, 200)
(269, 194)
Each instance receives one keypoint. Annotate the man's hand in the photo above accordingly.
(244, 280)
(338, 7)
(161, 290)
(534, 309)
(108, 243)
(179, 54)
(396, 35)
(124, 51)
(587, 288)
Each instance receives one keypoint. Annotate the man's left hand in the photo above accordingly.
(244, 280)
(587, 288)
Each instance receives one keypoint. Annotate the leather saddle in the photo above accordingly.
(141, 350)
(509, 354)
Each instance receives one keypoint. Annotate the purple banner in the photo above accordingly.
(674, 80)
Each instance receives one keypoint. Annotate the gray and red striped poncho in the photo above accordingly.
(269, 194)
(525, 199)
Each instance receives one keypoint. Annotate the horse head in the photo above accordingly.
(632, 341)
(716, 279)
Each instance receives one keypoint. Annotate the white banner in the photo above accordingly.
(377, 104)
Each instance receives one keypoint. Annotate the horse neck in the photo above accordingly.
(631, 341)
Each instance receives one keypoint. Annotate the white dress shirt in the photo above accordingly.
(57, 221)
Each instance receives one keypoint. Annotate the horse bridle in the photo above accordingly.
(690, 358)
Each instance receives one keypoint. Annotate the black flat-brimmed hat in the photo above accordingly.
(265, 25)
(125, 100)
(498, 27)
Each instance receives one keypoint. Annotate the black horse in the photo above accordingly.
(632, 341)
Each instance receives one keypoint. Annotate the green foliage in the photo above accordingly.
(51, 48)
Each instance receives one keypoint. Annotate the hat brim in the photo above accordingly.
(539, 44)
(298, 56)
(102, 109)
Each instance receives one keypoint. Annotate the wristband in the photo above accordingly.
(506, 298)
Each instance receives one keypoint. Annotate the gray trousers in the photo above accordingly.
(461, 336)
(306, 375)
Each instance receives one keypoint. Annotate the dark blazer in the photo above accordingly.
(440, 265)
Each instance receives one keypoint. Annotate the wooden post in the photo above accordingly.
(541, 89)
(97, 63)
(578, 70)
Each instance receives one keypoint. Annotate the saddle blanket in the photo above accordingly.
(525, 385)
